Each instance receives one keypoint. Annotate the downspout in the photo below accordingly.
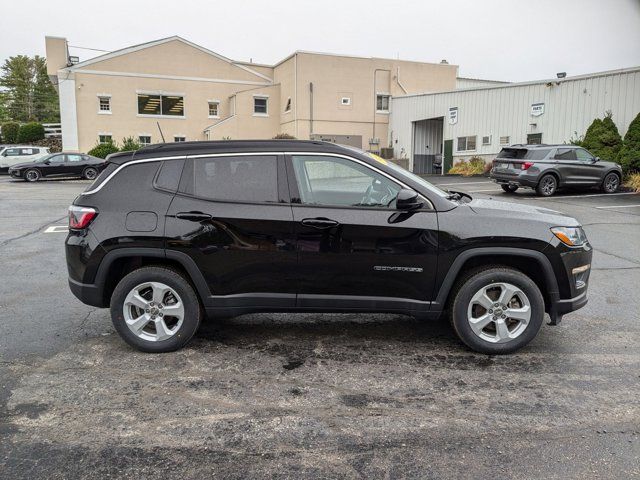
(310, 109)
(375, 101)
(295, 91)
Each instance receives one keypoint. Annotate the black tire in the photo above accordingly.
(610, 183)
(192, 309)
(467, 287)
(32, 175)
(90, 173)
(509, 188)
(547, 185)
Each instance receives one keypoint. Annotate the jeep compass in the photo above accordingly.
(175, 232)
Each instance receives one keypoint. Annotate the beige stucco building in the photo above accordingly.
(190, 93)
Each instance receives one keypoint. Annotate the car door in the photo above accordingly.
(591, 171)
(53, 166)
(75, 164)
(233, 218)
(355, 250)
(568, 166)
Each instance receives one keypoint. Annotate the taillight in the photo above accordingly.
(526, 165)
(81, 217)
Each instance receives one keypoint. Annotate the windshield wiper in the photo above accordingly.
(454, 195)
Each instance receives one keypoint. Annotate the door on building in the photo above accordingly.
(427, 145)
(447, 161)
(534, 139)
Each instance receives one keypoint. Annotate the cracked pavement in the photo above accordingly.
(307, 395)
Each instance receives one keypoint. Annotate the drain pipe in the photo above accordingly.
(398, 81)
(310, 108)
(375, 101)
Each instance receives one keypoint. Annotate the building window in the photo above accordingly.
(105, 139)
(260, 106)
(345, 101)
(287, 107)
(104, 104)
(382, 103)
(466, 144)
(179, 138)
(486, 140)
(213, 109)
(144, 140)
(165, 105)
(505, 140)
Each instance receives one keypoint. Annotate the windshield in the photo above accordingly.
(410, 175)
(524, 153)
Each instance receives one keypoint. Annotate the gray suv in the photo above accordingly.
(545, 168)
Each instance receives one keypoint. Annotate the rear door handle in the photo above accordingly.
(193, 216)
(319, 223)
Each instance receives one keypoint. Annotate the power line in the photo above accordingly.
(88, 48)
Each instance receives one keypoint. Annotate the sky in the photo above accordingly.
(512, 40)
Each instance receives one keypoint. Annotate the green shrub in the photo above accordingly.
(475, 166)
(284, 136)
(603, 139)
(129, 144)
(629, 156)
(10, 132)
(101, 150)
(30, 132)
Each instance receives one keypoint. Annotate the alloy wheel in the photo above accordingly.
(32, 176)
(90, 174)
(548, 185)
(499, 312)
(611, 183)
(153, 311)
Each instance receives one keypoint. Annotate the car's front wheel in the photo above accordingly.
(547, 185)
(497, 310)
(509, 188)
(155, 309)
(32, 175)
(610, 183)
(90, 173)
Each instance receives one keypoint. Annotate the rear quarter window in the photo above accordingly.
(169, 174)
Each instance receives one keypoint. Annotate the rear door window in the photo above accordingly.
(252, 179)
(565, 154)
(74, 158)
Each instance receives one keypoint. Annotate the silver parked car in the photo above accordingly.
(13, 154)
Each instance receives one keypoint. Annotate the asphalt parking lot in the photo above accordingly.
(314, 396)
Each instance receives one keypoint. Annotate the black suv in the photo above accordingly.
(546, 168)
(172, 232)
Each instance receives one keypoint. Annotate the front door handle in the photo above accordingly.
(319, 223)
(193, 216)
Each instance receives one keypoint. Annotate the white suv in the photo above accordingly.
(13, 154)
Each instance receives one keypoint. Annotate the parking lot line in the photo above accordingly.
(57, 229)
(619, 206)
(480, 191)
(583, 196)
(461, 183)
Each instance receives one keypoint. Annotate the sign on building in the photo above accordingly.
(537, 109)
(453, 115)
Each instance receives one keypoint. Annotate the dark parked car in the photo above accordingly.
(59, 165)
(175, 231)
(545, 168)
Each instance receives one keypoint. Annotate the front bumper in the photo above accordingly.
(572, 278)
(15, 173)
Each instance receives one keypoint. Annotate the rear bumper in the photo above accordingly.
(530, 181)
(89, 294)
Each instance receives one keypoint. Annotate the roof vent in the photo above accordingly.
(561, 74)
(444, 62)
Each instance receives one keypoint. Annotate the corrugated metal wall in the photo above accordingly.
(570, 105)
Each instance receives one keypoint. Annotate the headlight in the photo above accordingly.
(572, 236)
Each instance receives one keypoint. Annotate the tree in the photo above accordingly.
(603, 139)
(10, 132)
(29, 94)
(629, 156)
(101, 150)
(30, 132)
(130, 144)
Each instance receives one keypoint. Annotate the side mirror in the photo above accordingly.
(408, 200)
(597, 159)
(47, 162)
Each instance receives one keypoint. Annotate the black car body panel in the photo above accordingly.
(280, 254)
(524, 165)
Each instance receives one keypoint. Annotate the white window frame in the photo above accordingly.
(489, 142)
(261, 114)
(162, 94)
(179, 136)
(100, 97)
(145, 135)
(508, 140)
(383, 94)
(346, 103)
(104, 134)
(217, 103)
(466, 143)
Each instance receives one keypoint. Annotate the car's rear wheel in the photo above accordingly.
(509, 188)
(611, 183)
(32, 175)
(547, 186)
(90, 173)
(498, 310)
(155, 309)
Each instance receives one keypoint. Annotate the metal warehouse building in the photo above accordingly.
(478, 121)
